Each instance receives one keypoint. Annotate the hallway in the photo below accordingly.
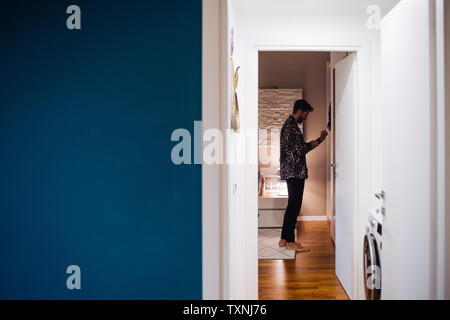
(310, 276)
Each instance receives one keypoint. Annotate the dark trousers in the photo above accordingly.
(295, 192)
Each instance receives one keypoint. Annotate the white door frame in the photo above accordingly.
(357, 48)
(214, 177)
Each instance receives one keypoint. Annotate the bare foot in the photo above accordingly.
(296, 246)
(282, 243)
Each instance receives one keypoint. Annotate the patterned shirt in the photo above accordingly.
(293, 149)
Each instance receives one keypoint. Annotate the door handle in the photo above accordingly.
(380, 195)
(333, 166)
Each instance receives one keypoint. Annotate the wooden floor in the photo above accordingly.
(310, 276)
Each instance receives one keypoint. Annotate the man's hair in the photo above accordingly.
(302, 105)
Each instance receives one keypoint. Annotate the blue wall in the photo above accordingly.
(85, 170)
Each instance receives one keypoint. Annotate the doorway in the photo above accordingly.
(283, 77)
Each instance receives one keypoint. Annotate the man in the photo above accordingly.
(293, 149)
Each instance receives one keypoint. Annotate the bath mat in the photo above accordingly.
(268, 245)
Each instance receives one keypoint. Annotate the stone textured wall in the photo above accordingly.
(274, 106)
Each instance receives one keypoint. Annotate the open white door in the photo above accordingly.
(345, 97)
(408, 104)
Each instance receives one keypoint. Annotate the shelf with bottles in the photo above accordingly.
(271, 185)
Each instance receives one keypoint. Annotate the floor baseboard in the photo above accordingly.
(312, 218)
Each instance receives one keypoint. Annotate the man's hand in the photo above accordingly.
(322, 137)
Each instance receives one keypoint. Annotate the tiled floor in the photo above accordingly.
(268, 245)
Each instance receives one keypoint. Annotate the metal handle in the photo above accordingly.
(380, 195)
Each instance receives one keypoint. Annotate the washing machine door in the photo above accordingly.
(372, 268)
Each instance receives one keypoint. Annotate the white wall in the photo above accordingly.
(294, 30)
(442, 251)
(242, 277)
(215, 253)
(447, 139)
(211, 256)
(411, 231)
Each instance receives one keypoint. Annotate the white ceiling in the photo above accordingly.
(338, 6)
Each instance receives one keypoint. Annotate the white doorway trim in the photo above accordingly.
(214, 179)
(362, 51)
